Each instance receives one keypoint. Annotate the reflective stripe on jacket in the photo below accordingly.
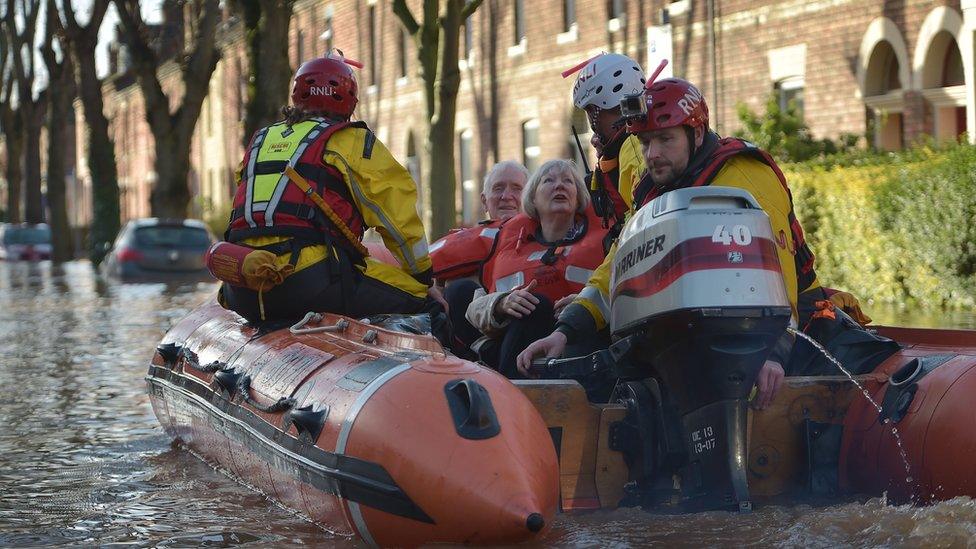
(268, 203)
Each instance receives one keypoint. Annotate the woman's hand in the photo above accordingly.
(519, 302)
(561, 303)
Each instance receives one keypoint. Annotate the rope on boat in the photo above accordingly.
(244, 390)
(299, 328)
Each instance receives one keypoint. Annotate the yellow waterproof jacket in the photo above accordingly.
(385, 194)
(741, 171)
(629, 164)
(386, 197)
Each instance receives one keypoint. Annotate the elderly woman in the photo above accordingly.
(541, 259)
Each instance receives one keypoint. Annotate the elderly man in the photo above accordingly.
(458, 256)
(460, 253)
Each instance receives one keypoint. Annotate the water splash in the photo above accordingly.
(887, 421)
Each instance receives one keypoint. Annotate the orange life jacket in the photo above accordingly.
(460, 252)
(559, 268)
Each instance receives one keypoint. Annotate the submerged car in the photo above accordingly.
(25, 241)
(159, 250)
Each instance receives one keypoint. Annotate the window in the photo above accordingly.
(519, 21)
(209, 113)
(530, 144)
(617, 15)
(413, 159)
(327, 33)
(300, 46)
(404, 42)
(241, 87)
(470, 194)
(468, 38)
(569, 14)
(373, 47)
(616, 9)
(789, 92)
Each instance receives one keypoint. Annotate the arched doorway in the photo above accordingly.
(883, 76)
(939, 72)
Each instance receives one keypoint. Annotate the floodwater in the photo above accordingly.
(84, 462)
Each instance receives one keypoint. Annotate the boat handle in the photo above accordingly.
(190, 359)
(244, 390)
(172, 353)
(299, 327)
(471, 409)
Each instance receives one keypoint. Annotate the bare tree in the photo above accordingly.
(266, 25)
(31, 108)
(173, 130)
(13, 133)
(82, 40)
(61, 94)
(436, 39)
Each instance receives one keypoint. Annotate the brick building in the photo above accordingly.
(892, 71)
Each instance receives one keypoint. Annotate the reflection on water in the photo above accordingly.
(890, 315)
(83, 460)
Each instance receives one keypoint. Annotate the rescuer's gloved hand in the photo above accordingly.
(850, 305)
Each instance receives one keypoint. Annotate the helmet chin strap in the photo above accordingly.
(690, 133)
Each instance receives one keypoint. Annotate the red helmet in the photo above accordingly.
(326, 84)
(666, 104)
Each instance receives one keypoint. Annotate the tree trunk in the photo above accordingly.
(493, 17)
(13, 131)
(440, 142)
(105, 222)
(33, 114)
(170, 195)
(266, 25)
(60, 110)
(173, 131)
(60, 96)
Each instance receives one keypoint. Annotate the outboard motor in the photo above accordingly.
(698, 302)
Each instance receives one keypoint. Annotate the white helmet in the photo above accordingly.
(606, 79)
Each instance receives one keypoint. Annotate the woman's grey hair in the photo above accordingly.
(556, 165)
(497, 169)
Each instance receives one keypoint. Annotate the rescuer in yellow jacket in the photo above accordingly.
(600, 85)
(309, 187)
(680, 151)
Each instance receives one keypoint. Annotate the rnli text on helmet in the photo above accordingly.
(321, 90)
(690, 101)
(636, 255)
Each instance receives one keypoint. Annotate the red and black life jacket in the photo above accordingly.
(727, 148)
(264, 188)
(461, 252)
(559, 268)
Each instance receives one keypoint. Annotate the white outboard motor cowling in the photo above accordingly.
(701, 247)
(697, 291)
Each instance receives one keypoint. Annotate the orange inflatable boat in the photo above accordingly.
(367, 431)
(377, 433)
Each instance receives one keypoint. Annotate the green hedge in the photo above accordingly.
(893, 228)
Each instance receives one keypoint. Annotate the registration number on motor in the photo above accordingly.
(703, 440)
